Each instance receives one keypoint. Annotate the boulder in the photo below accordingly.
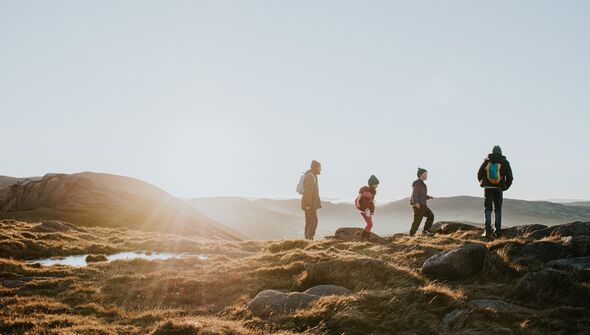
(579, 245)
(499, 306)
(53, 226)
(568, 229)
(270, 302)
(522, 231)
(538, 253)
(455, 320)
(354, 235)
(446, 227)
(457, 263)
(577, 267)
(545, 285)
(324, 290)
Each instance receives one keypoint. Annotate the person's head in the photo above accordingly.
(373, 181)
(497, 150)
(422, 174)
(316, 167)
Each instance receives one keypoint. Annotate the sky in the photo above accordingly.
(235, 98)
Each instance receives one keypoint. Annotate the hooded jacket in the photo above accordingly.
(366, 199)
(311, 192)
(505, 172)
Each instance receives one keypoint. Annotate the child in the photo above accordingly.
(419, 202)
(365, 203)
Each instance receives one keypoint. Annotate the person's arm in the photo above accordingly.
(308, 184)
(415, 195)
(371, 204)
(482, 172)
(508, 175)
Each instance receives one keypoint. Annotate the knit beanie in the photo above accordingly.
(373, 181)
(421, 171)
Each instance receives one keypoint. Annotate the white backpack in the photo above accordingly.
(300, 188)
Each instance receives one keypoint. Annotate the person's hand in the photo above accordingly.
(307, 208)
(367, 212)
(417, 206)
(430, 197)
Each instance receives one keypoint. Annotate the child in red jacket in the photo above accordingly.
(365, 203)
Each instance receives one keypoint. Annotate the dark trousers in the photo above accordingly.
(419, 213)
(493, 200)
(311, 223)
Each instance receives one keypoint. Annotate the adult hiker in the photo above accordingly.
(310, 198)
(365, 203)
(495, 176)
(419, 202)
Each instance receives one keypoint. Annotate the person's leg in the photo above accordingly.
(429, 219)
(418, 214)
(498, 200)
(311, 223)
(488, 211)
(368, 221)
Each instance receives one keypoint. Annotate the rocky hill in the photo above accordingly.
(93, 199)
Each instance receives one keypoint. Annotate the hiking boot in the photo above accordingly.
(486, 234)
(427, 233)
(365, 235)
(497, 233)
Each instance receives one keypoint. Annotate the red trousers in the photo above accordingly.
(368, 221)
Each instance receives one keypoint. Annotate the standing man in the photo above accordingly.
(419, 202)
(310, 199)
(495, 176)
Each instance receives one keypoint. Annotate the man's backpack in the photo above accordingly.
(300, 186)
(493, 172)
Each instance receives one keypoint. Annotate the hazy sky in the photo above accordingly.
(207, 98)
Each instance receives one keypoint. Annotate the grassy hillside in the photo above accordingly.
(389, 294)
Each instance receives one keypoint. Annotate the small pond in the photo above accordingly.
(80, 260)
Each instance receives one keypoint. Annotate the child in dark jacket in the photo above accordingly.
(365, 203)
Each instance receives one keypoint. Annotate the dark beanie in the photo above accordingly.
(315, 164)
(497, 150)
(373, 181)
(421, 171)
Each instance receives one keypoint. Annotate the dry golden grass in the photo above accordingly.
(209, 296)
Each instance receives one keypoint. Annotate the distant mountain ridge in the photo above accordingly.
(392, 217)
(96, 199)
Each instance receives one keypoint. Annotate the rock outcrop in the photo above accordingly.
(577, 267)
(447, 227)
(354, 235)
(458, 263)
(271, 302)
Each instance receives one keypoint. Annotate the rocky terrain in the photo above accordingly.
(533, 280)
(94, 199)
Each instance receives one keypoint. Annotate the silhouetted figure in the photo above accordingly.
(495, 176)
(419, 202)
(310, 199)
(365, 203)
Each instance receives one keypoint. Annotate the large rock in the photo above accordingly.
(579, 245)
(456, 263)
(10, 283)
(54, 226)
(545, 285)
(499, 306)
(270, 302)
(522, 231)
(354, 235)
(538, 253)
(446, 227)
(577, 267)
(568, 229)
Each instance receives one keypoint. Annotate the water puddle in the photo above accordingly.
(80, 260)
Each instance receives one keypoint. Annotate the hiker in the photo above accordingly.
(495, 176)
(365, 203)
(419, 202)
(310, 198)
